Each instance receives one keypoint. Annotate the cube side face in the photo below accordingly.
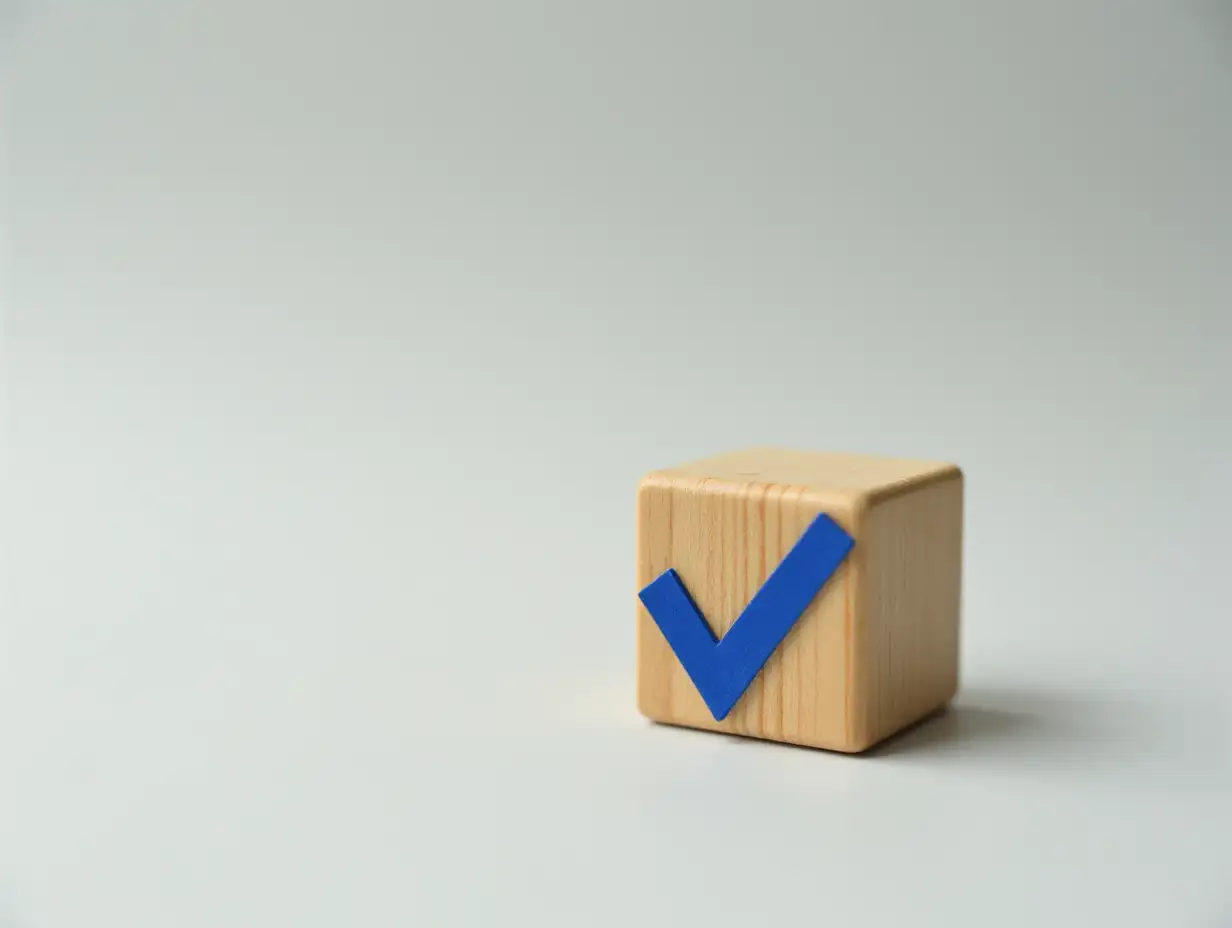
(907, 649)
(723, 539)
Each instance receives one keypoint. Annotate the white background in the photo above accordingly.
(338, 334)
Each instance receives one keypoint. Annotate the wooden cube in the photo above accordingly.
(874, 650)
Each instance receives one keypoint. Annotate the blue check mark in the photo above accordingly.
(722, 670)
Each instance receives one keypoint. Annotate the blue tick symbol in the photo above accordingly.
(723, 669)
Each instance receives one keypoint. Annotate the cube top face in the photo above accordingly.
(840, 479)
(874, 648)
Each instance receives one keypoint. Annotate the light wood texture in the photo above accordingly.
(905, 648)
(876, 650)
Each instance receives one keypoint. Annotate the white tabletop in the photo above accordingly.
(338, 334)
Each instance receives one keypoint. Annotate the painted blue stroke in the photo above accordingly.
(723, 669)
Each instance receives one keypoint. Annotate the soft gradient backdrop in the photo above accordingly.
(337, 334)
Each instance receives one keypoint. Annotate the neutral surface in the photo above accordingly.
(338, 335)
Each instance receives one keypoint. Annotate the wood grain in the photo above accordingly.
(877, 643)
(906, 648)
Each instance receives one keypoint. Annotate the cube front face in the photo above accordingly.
(878, 641)
(723, 539)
